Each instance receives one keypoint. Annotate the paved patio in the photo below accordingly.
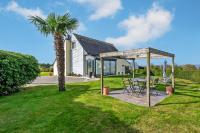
(139, 99)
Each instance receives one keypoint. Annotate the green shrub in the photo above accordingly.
(16, 70)
(180, 72)
(143, 72)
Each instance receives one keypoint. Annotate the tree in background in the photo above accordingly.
(46, 67)
(189, 67)
(58, 26)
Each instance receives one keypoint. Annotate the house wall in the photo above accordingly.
(55, 71)
(78, 62)
(121, 63)
(77, 57)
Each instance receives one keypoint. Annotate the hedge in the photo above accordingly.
(189, 75)
(16, 70)
(193, 75)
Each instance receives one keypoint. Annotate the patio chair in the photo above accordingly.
(141, 87)
(126, 85)
(153, 83)
(156, 80)
(132, 86)
(167, 79)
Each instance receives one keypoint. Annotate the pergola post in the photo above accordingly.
(148, 79)
(173, 77)
(133, 68)
(102, 72)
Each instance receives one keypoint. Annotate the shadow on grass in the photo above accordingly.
(192, 89)
(78, 117)
(116, 88)
(177, 103)
(47, 110)
(187, 85)
(185, 94)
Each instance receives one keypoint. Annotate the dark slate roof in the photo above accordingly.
(94, 47)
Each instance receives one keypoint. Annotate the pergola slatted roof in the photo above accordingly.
(137, 54)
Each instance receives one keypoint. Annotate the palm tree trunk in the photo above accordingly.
(60, 57)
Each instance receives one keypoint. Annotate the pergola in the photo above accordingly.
(144, 53)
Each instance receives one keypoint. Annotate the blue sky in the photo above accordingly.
(170, 25)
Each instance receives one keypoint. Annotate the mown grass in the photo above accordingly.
(81, 109)
(46, 73)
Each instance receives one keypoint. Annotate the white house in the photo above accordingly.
(82, 57)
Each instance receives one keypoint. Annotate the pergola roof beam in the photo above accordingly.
(159, 52)
(137, 54)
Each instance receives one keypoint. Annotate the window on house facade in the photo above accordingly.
(90, 67)
(73, 45)
(112, 67)
(109, 67)
(98, 67)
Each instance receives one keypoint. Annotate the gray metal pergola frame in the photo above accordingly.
(143, 53)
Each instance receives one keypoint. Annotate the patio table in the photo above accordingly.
(139, 80)
(140, 83)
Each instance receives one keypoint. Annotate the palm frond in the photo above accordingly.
(61, 24)
(52, 22)
(41, 24)
(66, 23)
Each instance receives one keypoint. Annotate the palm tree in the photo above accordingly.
(58, 26)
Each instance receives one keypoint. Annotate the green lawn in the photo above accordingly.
(46, 73)
(82, 109)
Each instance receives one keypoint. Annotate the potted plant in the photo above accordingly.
(106, 90)
(169, 89)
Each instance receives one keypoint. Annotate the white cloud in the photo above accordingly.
(102, 8)
(59, 3)
(143, 28)
(56, 4)
(81, 27)
(1, 9)
(25, 12)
